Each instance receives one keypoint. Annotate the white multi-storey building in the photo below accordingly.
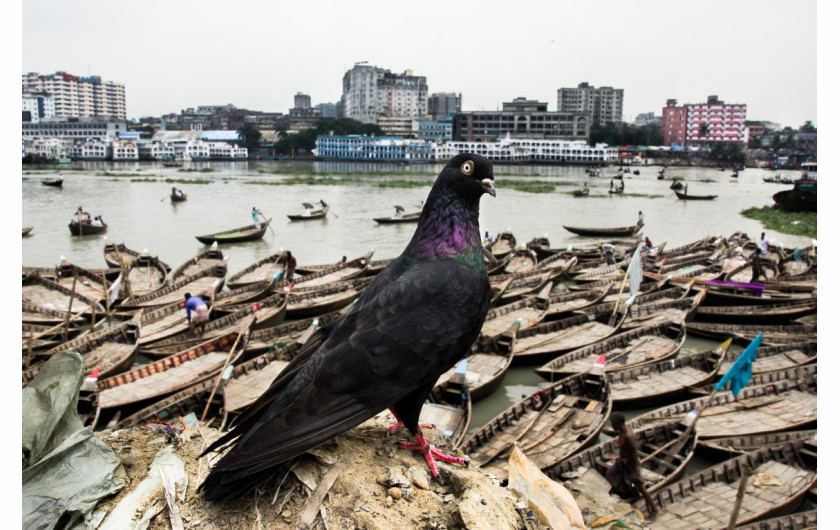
(370, 92)
(604, 104)
(77, 130)
(92, 149)
(37, 107)
(78, 97)
(531, 150)
(124, 151)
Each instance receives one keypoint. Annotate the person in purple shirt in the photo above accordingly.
(199, 319)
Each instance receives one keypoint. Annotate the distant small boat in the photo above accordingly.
(175, 197)
(236, 235)
(687, 197)
(55, 183)
(86, 228)
(171, 162)
(622, 231)
(310, 214)
(26, 231)
(582, 192)
(399, 217)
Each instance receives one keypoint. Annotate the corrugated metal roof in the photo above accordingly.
(220, 136)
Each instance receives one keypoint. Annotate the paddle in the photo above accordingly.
(267, 223)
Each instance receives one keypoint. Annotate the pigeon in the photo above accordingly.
(416, 320)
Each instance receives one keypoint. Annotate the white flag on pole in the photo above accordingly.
(114, 291)
(634, 275)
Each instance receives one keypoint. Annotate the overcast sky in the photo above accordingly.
(175, 54)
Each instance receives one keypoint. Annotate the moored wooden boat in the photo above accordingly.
(339, 272)
(281, 335)
(787, 404)
(449, 409)
(549, 425)
(487, 363)
(203, 282)
(523, 260)
(212, 257)
(236, 235)
(793, 521)
(305, 302)
(621, 231)
(774, 358)
(739, 445)
(51, 295)
(26, 231)
(630, 349)
(562, 261)
(779, 477)
(527, 312)
(778, 313)
(664, 381)
(562, 305)
(747, 332)
(38, 314)
(546, 341)
(505, 244)
(405, 218)
(686, 197)
(146, 274)
(524, 284)
(658, 470)
(86, 228)
(251, 379)
(170, 374)
(116, 252)
(261, 271)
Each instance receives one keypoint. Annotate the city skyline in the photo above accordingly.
(208, 54)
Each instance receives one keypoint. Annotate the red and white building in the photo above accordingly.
(704, 123)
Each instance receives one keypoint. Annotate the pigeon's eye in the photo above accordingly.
(467, 168)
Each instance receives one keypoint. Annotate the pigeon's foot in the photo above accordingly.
(432, 453)
(392, 430)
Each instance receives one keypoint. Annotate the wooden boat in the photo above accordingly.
(41, 315)
(549, 425)
(170, 374)
(631, 349)
(146, 274)
(236, 235)
(111, 349)
(787, 404)
(667, 311)
(54, 183)
(174, 197)
(649, 292)
(487, 363)
(582, 192)
(808, 320)
(311, 214)
(251, 379)
(305, 303)
(523, 260)
(527, 312)
(747, 332)
(744, 272)
(449, 409)
(202, 282)
(338, 272)
(376, 266)
(739, 445)
(548, 340)
(86, 228)
(205, 259)
(494, 265)
(405, 218)
(162, 322)
(601, 272)
(275, 338)
(779, 313)
(266, 313)
(116, 252)
(562, 305)
(505, 244)
(259, 272)
(560, 261)
(665, 381)
(782, 476)
(658, 470)
(794, 521)
(686, 197)
(622, 231)
(26, 230)
(254, 292)
(51, 295)
(524, 284)
(801, 198)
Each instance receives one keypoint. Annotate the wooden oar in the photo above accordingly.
(69, 307)
(246, 332)
(267, 223)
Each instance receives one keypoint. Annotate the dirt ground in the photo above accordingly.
(381, 487)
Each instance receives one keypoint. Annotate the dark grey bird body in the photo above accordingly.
(415, 321)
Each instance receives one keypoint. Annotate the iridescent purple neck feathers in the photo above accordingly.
(448, 226)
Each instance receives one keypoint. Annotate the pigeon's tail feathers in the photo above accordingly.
(217, 488)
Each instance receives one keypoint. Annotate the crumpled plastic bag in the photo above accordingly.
(553, 505)
(69, 470)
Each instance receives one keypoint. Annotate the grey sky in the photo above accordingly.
(175, 54)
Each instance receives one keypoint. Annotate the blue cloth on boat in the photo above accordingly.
(739, 375)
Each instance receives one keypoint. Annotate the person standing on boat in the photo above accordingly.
(255, 215)
(289, 270)
(202, 313)
(763, 245)
(625, 475)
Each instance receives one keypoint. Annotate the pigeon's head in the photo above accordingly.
(469, 175)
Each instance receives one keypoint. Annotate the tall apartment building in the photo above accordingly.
(441, 104)
(369, 92)
(78, 97)
(37, 107)
(673, 123)
(604, 104)
(704, 123)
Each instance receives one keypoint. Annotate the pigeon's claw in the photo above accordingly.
(392, 430)
(432, 453)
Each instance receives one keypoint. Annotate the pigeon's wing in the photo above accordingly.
(415, 328)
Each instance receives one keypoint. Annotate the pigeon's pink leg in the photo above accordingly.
(432, 453)
(393, 428)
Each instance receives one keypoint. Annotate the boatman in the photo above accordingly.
(255, 215)
(202, 313)
(763, 245)
(625, 475)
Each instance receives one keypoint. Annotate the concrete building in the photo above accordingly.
(302, 101)
(369, 92)
(715, 122)
(328, 110)
(443, 104)
(37, 107)
(435, 130)
(647, 118)
(78, 97)
(604, 105)
(83, 128)
(531, 150)
(399, 126)
(520, 118)
(372, 149)
(673, 123)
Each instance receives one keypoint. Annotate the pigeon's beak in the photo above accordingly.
(487, 185)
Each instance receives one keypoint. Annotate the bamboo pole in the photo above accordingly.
(746, 472)
(229, 361)
(69, 308)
